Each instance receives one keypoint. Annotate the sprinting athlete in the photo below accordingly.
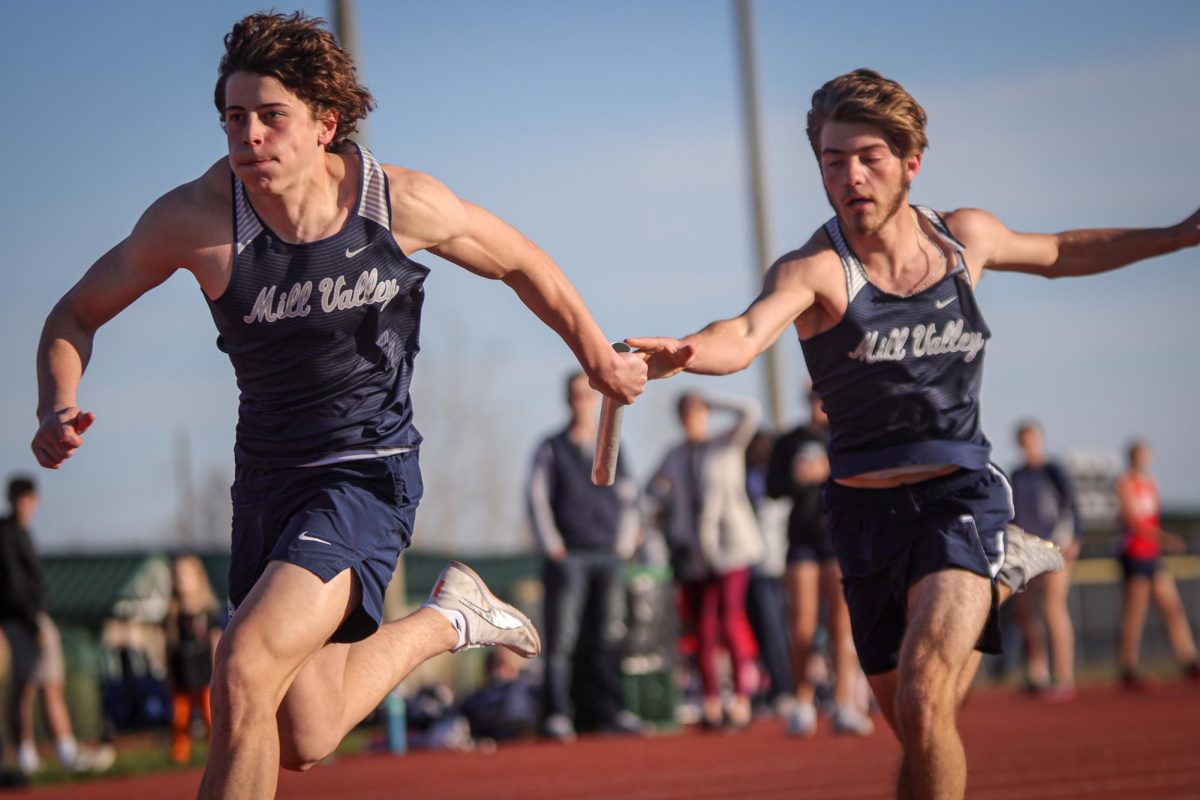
(301, 242)
(883, 300)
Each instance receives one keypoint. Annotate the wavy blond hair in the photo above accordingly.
(866, 97)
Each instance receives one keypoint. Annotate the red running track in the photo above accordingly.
(1106, 745)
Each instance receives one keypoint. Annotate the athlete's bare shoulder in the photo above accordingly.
(980, 232)
(190, 227)
(817, 267)
(814, 264)
(424, 210)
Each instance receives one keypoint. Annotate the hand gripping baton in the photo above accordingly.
(608, 436)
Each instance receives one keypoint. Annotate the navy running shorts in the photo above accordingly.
(888, 539)
(1139, 567)
(351, 515)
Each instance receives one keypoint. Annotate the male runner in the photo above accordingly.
(882, 298)
(300, 241)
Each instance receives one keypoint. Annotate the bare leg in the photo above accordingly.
(1133, 617)
(946, 614)
(1166, 597)
(1037, 668)
(841, 642)
(1056, 587)
(25, 702)
(269, 647)
(803, 590)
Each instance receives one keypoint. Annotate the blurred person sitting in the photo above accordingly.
(1044, 502)
(1142, 543)
(506, 707)
(714, 539)
(586, 533)
(193, 628)
(798, 470)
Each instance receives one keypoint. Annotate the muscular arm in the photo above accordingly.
(120, 276)
(1070, 253)
(428, 216)
(730, 345)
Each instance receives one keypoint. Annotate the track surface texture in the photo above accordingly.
(1107, 744)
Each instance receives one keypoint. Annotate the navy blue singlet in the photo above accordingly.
(900, 377)
(322, 335)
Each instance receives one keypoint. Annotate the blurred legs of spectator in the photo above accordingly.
(569, 584)
(765, 606)
(1139, 590)
(1053, 674)
(182, 704)
(24, 652)
(807, 583)
(718, 606)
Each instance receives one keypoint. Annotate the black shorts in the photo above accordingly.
(1139, 567)
(811, 543)
(24, 651)
(352, 515)
(888, 539)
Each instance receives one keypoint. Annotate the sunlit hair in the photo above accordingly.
(305, 58)
(866, 97)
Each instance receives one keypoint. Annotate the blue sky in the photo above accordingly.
(609, 133)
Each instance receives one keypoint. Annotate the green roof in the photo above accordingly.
(86, 589)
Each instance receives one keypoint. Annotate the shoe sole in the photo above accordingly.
(496, 601)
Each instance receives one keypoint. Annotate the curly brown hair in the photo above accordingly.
(305, 58)
(866, 97)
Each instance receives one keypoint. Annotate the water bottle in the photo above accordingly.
(395, 718)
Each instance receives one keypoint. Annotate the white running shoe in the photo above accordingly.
(1025, 557)
(851, 721)
(486, 619)
(801, 719)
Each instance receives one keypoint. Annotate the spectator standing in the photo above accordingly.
(765, 603)
(714, 539)
(1142, 543)
(586, 533)
(1044, 501)
(798, 470)
(193, 628)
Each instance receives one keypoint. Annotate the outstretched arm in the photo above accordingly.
(730, 345)
(123, 274)
(1071, 253)
(428, 216)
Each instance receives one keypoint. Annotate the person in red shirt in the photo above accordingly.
(1142, 542)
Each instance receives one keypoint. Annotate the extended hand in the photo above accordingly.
(60, 435)
(625, 380)
(1191, 230)
(664, 356)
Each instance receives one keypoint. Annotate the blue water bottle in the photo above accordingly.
(395, 717)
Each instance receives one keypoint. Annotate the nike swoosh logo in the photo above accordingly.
(352, 253)
(304, 537)
(944, 303)
(496, 616)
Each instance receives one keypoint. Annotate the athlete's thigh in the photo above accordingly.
(288, 616)
(946, 614)
(315, 692)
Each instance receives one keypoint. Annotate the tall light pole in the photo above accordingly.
(747, 60)
(345, 27)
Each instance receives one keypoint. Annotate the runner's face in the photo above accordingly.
(271, 132)
(865, 179)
